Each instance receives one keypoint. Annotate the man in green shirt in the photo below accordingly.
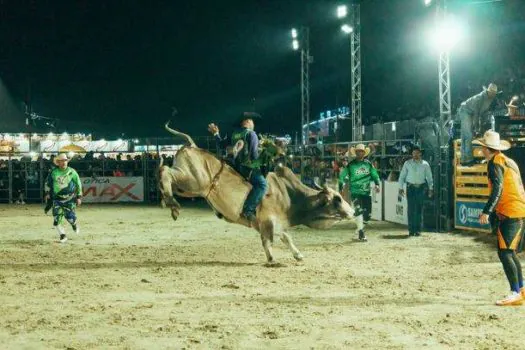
(358, 174)
(63, 186)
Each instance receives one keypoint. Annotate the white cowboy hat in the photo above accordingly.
(492, 88)
(360, 147)
(491, 140)
(60, 157)
(513, 102)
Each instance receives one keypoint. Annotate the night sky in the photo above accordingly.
(121, 66)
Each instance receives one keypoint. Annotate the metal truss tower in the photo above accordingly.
(306, 59)
(444, 180)
(355, 47)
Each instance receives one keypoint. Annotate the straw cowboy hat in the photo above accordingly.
(513, 102)
(60, 157)
(360, 147)
(492, 88)
(491, 140)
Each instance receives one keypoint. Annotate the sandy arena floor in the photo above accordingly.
(135, 279)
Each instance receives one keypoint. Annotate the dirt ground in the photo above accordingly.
(135, 279)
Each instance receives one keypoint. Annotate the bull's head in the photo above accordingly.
(328, 208)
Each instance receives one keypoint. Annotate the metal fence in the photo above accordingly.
(22, 176)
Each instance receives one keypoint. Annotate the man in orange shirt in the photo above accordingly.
(507, 200)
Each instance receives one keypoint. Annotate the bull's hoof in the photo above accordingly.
(174, 214)
(274, 264)
(298, 257)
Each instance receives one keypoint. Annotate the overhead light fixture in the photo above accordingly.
(347, 29)
(342, 11)
(295, 45)
(294, 33)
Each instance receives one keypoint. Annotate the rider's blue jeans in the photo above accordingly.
(257, 193)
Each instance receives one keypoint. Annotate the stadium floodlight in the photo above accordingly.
(448, 34)
(347, 29)
(427, 2)
(32, 154)
(294, 33)
(295, 45)
(342, 11)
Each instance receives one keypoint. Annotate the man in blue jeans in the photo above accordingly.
(473, 114)
(416, 174)
(246, 160)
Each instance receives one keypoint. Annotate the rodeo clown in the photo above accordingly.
(63, 186)
(507, 201)
(359, 173)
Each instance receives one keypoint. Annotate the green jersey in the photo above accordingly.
(64, 184)
(359, 174)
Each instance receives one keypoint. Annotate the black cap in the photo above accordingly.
(248, 115)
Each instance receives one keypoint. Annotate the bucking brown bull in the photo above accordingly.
(287, 202)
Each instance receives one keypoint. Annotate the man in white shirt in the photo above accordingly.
(416, 173)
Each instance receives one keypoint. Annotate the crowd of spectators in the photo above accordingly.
(28, 173)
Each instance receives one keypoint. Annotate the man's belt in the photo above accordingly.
(416, 185)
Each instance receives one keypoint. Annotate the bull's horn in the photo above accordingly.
(178, 133)
(161, 161)
(317, 187)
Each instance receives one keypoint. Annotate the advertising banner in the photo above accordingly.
(113, 189)
(14, 146)
(52, 146)
(377, 203)
(395, 210)
(467, 215)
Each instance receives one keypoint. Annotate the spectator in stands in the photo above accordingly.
(513, 108)
(117, 172)
(471, 114)
(416, 173)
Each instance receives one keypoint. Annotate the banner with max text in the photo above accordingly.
(113, 189)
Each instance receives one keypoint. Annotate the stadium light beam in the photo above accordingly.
(448, 34)
(294, 33)
(295, 45)
(342, 11)
(427, 2)
(347, 29)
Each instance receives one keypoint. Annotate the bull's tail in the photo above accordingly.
(178, 133)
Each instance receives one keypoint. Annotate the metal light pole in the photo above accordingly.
(301, 40)
(354, 29)
(445, 111)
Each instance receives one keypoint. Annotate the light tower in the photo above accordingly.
(301, 41)
(353, 28)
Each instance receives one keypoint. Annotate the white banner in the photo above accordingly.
(377, 202)
(93, 146)
(395, 210)
(113, 189)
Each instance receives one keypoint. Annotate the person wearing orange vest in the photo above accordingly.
(507, 201)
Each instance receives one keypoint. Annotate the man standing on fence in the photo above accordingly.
(416, 173)
(64, 187)
(359, 174)
(472, 114)
(507, 200)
